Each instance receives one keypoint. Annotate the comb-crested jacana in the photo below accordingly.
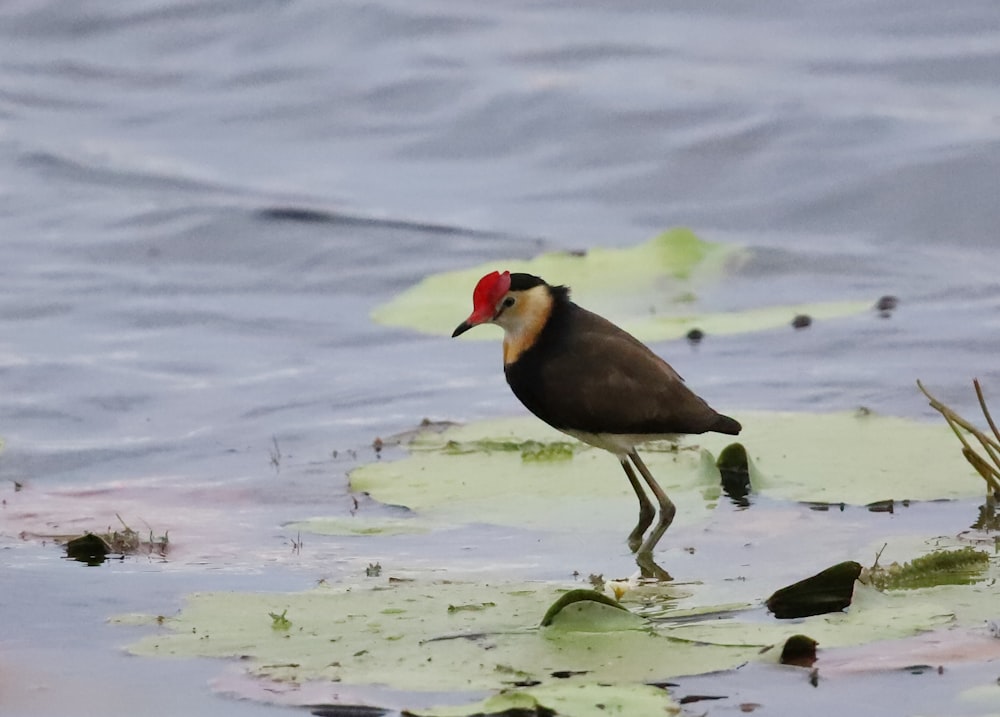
(583, 375)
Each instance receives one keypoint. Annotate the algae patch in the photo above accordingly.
(963, 566)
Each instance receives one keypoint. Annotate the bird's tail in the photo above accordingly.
(725, 424)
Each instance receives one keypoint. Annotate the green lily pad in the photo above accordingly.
(589, 611)
(481, 634)
(567, 698)
(403, 635)
(872, 616)
(410, 635)
(665, 327)
(648, 289)
(461, 476)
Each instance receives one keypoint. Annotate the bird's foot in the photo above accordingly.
(649, 569)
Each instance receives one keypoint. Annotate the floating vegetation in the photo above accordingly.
(652, 290)
(478, 473)
(734, 469)
(575, 597)
(530, 450)
(942, 567)
(472, 606)
(799, 650)
(94, 548)
(827, 591)
(88, 548)
(555, 451)
(280, 622)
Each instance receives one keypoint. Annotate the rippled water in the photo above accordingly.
(200, 202)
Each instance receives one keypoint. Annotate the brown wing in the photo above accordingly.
(595, 377)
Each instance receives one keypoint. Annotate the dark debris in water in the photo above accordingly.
(734, 469)
(828, 591)
(89, 548)
(801, 321)
(689, 699)
(886, 305)
(536, 711)
(94, 548)
(347, 711)
(824, 507)
(566, 674)
(923, 669)
(882, 506)
(799, 650)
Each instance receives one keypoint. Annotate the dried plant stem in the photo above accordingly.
(990, 444)
(986, 411)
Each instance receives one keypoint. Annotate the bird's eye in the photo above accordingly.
(508, 302)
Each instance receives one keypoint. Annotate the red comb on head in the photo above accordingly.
(485, 297)
(489, 291)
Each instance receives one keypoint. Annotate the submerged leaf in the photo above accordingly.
(734, 469)
(88, 548)
(799, 650)
(828, 591)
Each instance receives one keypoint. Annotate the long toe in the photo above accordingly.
(649, 569)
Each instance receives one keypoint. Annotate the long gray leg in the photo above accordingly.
(646, 510)
(667, 508)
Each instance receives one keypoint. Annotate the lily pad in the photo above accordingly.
(589, 611)
(648, 289)
(461, 476)
(579, 700)
(663, 327)
(872, 616)
(410, 636)
(403, 635)
(423, 637)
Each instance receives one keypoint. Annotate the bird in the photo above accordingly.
(585, 376)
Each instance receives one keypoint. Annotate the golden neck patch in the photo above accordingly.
(524, 321)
